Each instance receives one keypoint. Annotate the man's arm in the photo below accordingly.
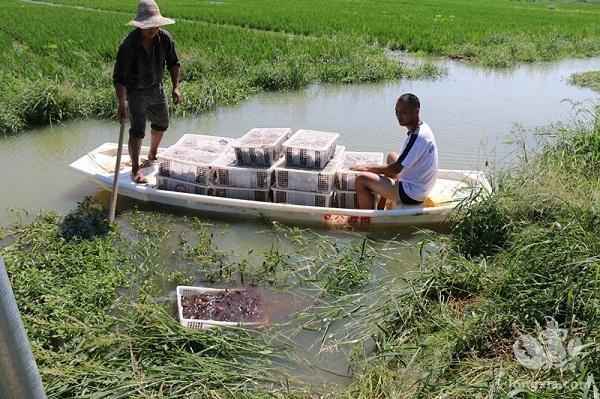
(120, 74)
(121, 92)
(174, 67)
(174, 71)
(392, 170)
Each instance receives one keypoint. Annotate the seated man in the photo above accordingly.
(409, 177)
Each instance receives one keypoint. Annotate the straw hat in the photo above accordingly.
(148, 16)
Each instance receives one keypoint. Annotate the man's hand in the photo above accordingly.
(123, 111)
(177, 97)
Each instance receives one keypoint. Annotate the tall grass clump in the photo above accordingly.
(481, 226)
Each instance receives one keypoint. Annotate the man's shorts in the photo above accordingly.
(402, 197)
(147, 104)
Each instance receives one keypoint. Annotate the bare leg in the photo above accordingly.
(155, 139)
(369, 183)
(135, 145)
(391, 158)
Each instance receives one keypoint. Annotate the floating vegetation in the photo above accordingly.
(86, 222)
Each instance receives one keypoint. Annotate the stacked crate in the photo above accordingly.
(345, 193)
(308, 175)
(185, 166)
(247, 171)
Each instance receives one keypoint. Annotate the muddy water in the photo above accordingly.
(472, 111)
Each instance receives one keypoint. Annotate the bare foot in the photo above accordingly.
(139, 177)
(146, 163)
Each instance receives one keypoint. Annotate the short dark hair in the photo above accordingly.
(410, 99)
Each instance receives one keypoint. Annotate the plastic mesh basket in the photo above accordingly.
(302, 198)
(184, 291)
(249, 194)
(313, 180)
(349, 199)
(310, 148)
(227, 172)
(261, 146)
(346, 178)
(168, 184)
(189, 159)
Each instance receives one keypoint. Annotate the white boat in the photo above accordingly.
(452, 187)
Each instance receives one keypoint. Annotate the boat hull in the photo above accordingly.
(98, 172)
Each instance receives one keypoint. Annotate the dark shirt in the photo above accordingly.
(137, 68)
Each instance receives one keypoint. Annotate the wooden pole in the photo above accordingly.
(115, 188)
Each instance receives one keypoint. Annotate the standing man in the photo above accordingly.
(138, 80)
(409, 177)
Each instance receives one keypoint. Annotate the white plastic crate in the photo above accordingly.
(312, 180)
(346, 199)
(249, 194)
(349, 199)
(346, 178)
(169, 184)
(310, 148)
(183, 291)
(261, 146)
(189, 159)
(302, 198)
(226, 171)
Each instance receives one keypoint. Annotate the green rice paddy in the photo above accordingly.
(58, 58)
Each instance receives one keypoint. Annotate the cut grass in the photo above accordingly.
(89, 341)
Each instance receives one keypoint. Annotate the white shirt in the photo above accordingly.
(419, 160)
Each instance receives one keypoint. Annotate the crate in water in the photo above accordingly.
(261, 146)
(186, 291)
(249, 194)
(226, 171)
(310, 148)
(346, 178)
(168, 184)
(189, 159)
(313, 180)
(302, 198)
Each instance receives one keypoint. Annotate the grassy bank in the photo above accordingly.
(517, 262)
(490, 32)
(55, 71)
